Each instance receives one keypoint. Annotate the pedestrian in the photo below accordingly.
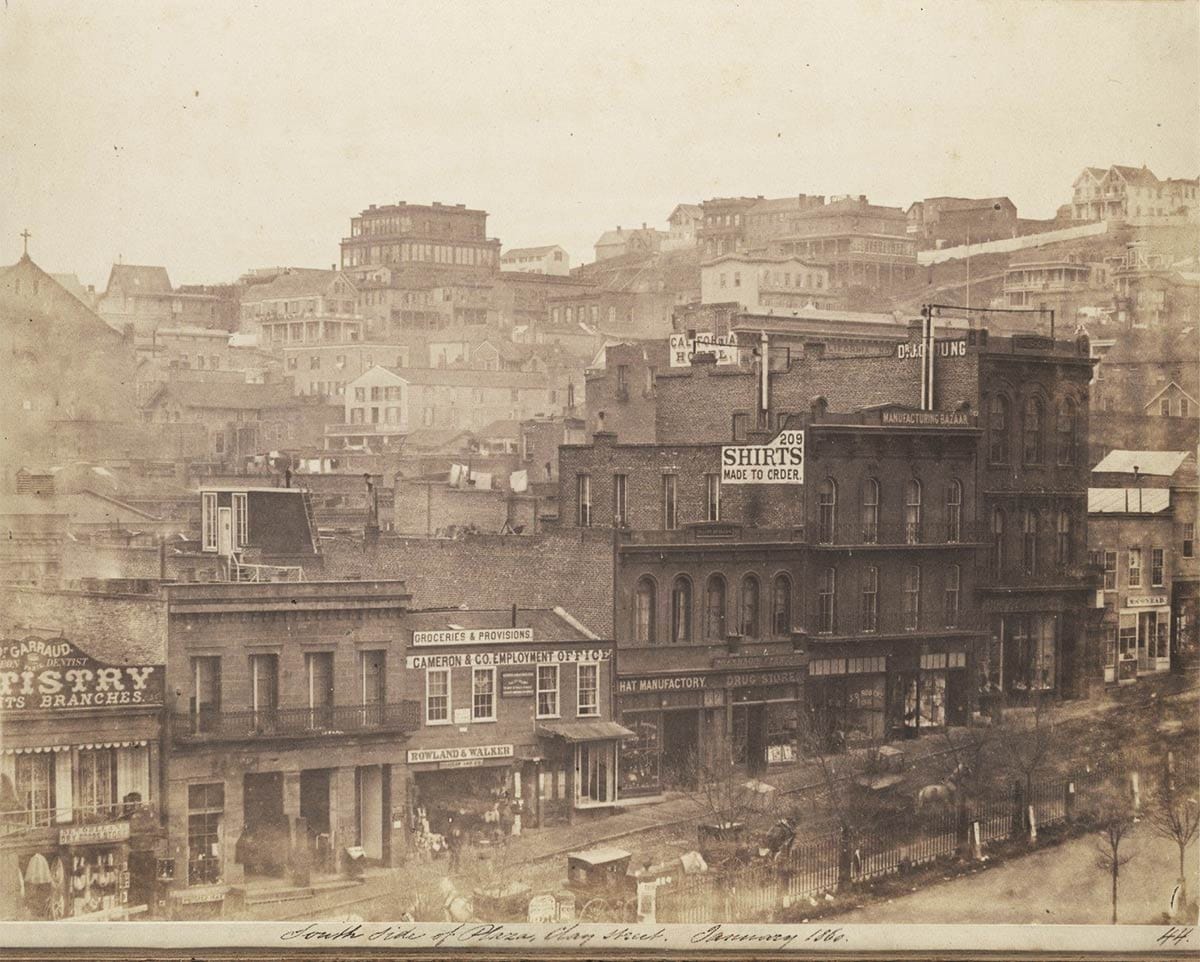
(454, 842)
(506, 818)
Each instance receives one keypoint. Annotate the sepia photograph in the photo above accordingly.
(599, 479)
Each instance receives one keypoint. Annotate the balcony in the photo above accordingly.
(719, 532)
(898, 623)
(331, 722)
(1048, 577)
(899, 534)
(13, 821)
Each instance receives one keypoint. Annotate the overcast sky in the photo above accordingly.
(214, 137)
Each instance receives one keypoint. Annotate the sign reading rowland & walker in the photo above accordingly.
(780, 461)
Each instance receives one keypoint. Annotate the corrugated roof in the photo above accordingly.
(1158, 463)
(1128, 500)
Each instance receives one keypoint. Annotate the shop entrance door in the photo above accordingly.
(957, 697)
(266, 837)
(680, 747)
(750, 733)
(314, 809)
(369, 789)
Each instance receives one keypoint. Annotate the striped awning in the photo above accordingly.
(66, 748)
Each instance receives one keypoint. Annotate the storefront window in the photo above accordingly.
(782, 725)
(1110, 646)
(640, 755)
(35, 786)
(864, 711)
(206, 804)
(97, 791)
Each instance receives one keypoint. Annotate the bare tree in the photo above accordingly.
(1027, 751)
(1111, 811)
(726, 799)
(1174, 814)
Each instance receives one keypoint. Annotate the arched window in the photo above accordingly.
(827, 510)
(870, 511)
(827, 602)
(781, 606)
(1031, 429)
(1063, 539)
(912, 597)
(681, 610)
(1066, 432)
(870, 599)
(912, 512)
(1029, 540)
(750, 605)
(714, 609)
(999, 553)
(954, 492)
(998, 428)
(644, 606)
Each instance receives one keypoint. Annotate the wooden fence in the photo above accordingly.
(756, 891)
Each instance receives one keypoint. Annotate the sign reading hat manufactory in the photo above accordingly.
(39, 673)
(472, 636)
(781, 461)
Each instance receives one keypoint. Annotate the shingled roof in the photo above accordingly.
(139, 278)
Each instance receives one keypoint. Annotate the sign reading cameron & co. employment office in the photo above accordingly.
(472, 636)
(781, 461)
(486, 659)
(39, 673)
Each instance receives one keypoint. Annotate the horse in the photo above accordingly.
(942, 793)
(780, 838)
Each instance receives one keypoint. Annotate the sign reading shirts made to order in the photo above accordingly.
(925, 419)
(39, 673)
(779, 462)
(684, 348)
(466, 753)
(501, 659)
(472, 636)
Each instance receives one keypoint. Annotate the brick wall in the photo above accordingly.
(572, 569)
(425, 508)
(119, 629)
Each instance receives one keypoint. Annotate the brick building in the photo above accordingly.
(517, 703)
(722, 225)
(424, 245)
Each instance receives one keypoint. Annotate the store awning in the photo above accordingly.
(584, 731)
(66, 748)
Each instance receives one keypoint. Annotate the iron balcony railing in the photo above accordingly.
(896, 620)
(936, 531)
(18, 820)
(404, 716)
(1042, 575)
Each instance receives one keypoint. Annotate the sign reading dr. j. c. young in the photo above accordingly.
(40, 673)
(781, 461)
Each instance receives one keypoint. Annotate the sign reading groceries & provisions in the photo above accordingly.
(472, 636)
(781, 461)
(685, 347)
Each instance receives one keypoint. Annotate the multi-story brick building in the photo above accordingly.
(1014, 564)
(722, 225)
(515, 703)
(774, 217)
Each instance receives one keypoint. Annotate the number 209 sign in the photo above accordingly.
(779, 462)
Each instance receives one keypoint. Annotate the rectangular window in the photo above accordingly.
(953, 595)
(437, 696)
(1157, 563)
(1110, 571)
(205, 700)
(741, 424)
(264, 688)
(583, 499)
(96, 792)
(1189, 540)
(206, 804)
(588, 690)
(241, 520)
(208, 506)
(318, 669)
(670, 505)
(372, 677)
(870, 599)
(619, 517)
(547, 691)
(712, 497)
(360, 394)
(1135, 567)
(483, 694)
(912, 597)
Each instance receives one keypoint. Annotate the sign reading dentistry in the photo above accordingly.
(779, 462)
(684, 348)
(38, 674)
(472, 636)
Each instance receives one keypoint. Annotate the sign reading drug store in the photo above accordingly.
(40, 674)
(780, 461)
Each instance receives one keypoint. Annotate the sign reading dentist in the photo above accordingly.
(779, 462)
(53, 673)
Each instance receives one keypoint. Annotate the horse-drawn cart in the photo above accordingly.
(600, 879)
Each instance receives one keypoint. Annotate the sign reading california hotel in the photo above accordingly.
(40, 674)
